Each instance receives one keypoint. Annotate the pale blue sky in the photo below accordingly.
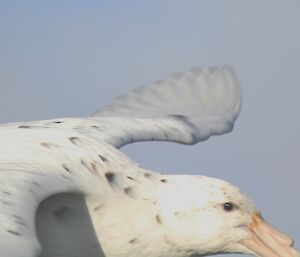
(68, 58)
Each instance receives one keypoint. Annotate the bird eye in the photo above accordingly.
(228, 206)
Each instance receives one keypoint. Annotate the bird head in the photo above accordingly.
(207, 216)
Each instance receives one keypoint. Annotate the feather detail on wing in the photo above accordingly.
(20, 194)
(186, 108)
(50, 158)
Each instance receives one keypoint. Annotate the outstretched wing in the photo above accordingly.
(38, 161)
(51, 158)
(186, 108)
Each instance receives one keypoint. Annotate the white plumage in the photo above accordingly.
(67, 191)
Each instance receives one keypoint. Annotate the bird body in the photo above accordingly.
(67, 191)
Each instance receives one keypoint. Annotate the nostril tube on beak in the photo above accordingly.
(261, 227)
(266, 229)
(267, 241)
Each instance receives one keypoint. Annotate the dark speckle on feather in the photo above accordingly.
(147, 175)
(97, 208)
(84, 164)
(19, 220)
(94, 167)
(104, 159)
(13, 232)
(21, 223)
(36, 184)
(158, 219)
(17, 217)
(177, 116)
(66, 168)
(134, 240)
(110, 177)
(24, 126)
(5, 192)
(129, 191)
(74, 140)
(47, 145)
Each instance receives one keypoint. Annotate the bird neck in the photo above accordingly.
(129, 226)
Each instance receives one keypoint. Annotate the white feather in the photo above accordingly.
(186, 107)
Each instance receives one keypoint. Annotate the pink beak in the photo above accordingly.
(266, 241)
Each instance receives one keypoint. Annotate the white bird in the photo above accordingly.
(67, 191)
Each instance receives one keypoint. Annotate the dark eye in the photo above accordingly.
(228, 206)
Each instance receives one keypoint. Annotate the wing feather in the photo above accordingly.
(20, 194)
(186, 108)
